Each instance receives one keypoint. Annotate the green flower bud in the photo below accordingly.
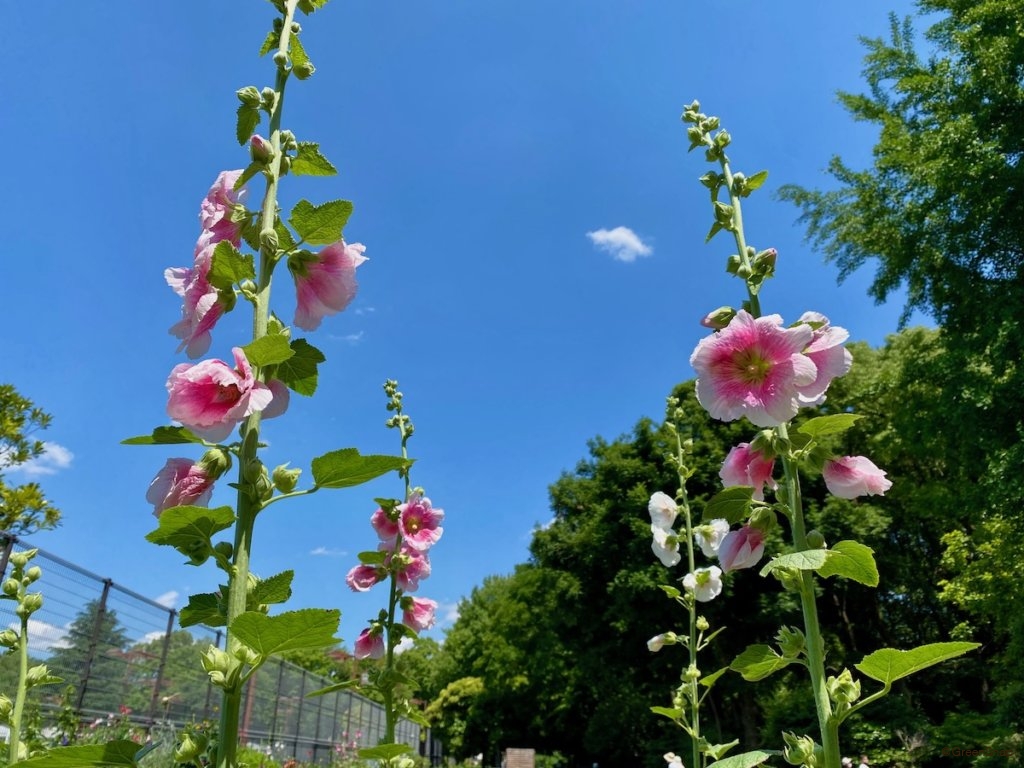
(281, 59)
(191, 747)
(285, 479)
(268, 98)
(221, 667)
(6, 708)
(33, 602)
(252, 470)
(224, 549)
(11, 587)
(37, 675)
(8, 638)
(304, 70)
(799, 750)
(791, 642)
(20, 559)
(789, 577)
(33, 574)
(702, 624)
(763, 518)
(249, 96)
(268, 239)
(843, 689)
(691, 673)
(215, 462)
(815, 540)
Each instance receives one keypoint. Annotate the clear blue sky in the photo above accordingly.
(480, 143)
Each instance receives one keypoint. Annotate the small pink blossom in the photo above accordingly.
(369, 644)
(747, 466)
(326, 284)
(753, 368)
(828, 354)
(410, 567)
(217, 207)
(741, 548)
(418, 612)
(362, 577)
(386, 528)
(420, 523)
(853, 476)
(201, 307)
(210, 398)
(181, 482)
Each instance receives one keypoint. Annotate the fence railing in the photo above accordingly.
(122, 654)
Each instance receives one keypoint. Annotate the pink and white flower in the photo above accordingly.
(181, 482)
(741, 548)
(325, 284)
(754, 368)
(420, 523)
(828, 354)
(200, 308)
(853, 476)
(409, 565)
(217, 207)
(210, 398)
(369, 644)
(747, 466)
(418, 613)
(663, 510)
(362, 577)
(709, 536)
(704, 583)
(386, 528)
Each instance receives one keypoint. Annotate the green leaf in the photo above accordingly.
(186, 528)
(384, 751)
(708, 680)
(164, 436)
(202, 609)
(372, 557)
(250, 170)
(122, 752)
(296, 52)
(345, 468)
(310, 6)
(756, 181)
(717, 750)
(747, 759)
(852, 560)
(808, 560)
(271, 42)
(320, 224)
(229, 267)
(268, 350)
(758, 661)
(835, 424)
(299, 372)
(715, 229)
(309, 162)
(248, 119)
(671, 714)
(290, 631)
(275, 589)
(733, 504)
(669, 590)
(332, 688)
(889, 664)
(285, 241)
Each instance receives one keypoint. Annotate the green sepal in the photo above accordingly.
(290, 631)
(343, 685)
(190, 529)
(836, 424)
(888, 664)
(268, 350)
(271, 42)
(248, 119)
(755, 182)
(203, 608)
(320, 224)
(733, 504)
(758, 662)
(229, 267)
(40, 677)
(345, 468)
(748, 759)
(299, 372)
(274, 589)
(384, 751)
(309, 162)
(311, 6)
(164, 436)
(113, 754)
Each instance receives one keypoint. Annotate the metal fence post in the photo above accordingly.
(9, 542)
(298, 715)
(277, 703)
(158, 683)
(101, 613)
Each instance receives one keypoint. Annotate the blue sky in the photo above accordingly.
(486, 146)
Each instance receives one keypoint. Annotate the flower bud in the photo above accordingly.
(719, 318)
(791, 642)
(815, 540)
(215, 462)
(252, 470)
(20, 559)
(658, 642)
(11, 587)
(843, 689)
(799, 750)
(8, 638)
(37, 675)
(191, 747)
(221, 667)
(702, 624)
(304, 70)
(33, 602)
(33, 574)
(260, 149)
(789, 577)
(6, 708)
(268, 98)
(224, 549)
(268, 239)
(249, 96)
(281, 59)
(692, 673)
(285, 479)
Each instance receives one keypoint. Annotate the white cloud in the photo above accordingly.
(353, 338)
(622, 243)
(365, 310)
(404, 645)
(168, 599)
(54, 458)
(43, 637)
(447, 613)
(327, 552)
(151, 636)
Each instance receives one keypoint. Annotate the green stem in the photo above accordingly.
(248, 503)
(19, 701)
(694, 692)
(741, 242)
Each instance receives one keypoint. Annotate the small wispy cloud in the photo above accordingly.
(43, 637)
(168, 599)
(54, 458)
(365, 310)
(622, 243)
(327, 552)
(353, 338)
(447, 613)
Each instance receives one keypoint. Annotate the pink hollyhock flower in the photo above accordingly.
(386, 528)
(179, 483)
(853, 476)
(747, 466)
(217, 207)
(420, 523)
(741, 548)
(828, 354)
(663, 510)
(326, 284)
(418, 612)
(362, 577)
(410, 567)
(369, 644)
(753, 368)
(200, 308)
(210, 398)
(704, 583)
(709, 536)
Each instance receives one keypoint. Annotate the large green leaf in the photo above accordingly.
(245, 126)
(184, 528)
(747, 759)
(835, 424)
(758, 661)
(229, 267)
(164, 436)
(122, 752)
(299, 372)
(733, 504)
(852, 560)
(808, 560)
(268, 350)
(345, 467)
(320, 224)
(274, 589)
(889, 664)
(309, 162)
(203, 608)
(290, 631)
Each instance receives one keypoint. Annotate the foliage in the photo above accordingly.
(24, 509)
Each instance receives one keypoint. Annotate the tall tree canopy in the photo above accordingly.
(24, 508)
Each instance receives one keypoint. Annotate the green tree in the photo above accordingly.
(24, 509)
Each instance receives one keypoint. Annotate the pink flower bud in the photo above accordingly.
(418, 612)
(853, 476)
(747, 466)
(327, 284)
(179, 483)
(741, 548)
(369, 644)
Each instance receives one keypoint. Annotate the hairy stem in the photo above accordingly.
(741, 242)
(19, 700)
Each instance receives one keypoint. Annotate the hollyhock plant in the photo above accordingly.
(753, 367)
(218, 206)
(418, 613)
(710, 535)
(210, 398)
(180, 482)
(704, 583)
(853, 476)
(828, 354)
(325, 283)
(412, 566)
(748, 466)
(369, 644)
(420, 523)
(741, 548)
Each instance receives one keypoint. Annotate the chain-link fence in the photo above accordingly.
(121, 654)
